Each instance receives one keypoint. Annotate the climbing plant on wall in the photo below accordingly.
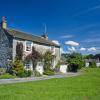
(19, 50)
(35, 56)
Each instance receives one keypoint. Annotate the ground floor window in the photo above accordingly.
(27, 64)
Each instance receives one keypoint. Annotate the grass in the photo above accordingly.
(83, 87)
(6, 76)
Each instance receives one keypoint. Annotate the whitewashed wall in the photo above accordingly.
(87, 64)
(63, 68)
(98, 64)
(39, 47)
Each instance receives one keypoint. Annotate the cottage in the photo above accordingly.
(9, 39)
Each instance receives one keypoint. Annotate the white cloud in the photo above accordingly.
(56, 42)
(72, 43)
(72, 49)
(62, 51)
(88, 10)
(67, 36)
(92, 49)
(83, 49)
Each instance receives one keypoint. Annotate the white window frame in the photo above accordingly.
(26, 46)
(27, 65)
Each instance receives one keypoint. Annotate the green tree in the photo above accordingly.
(75, 61)
(92, 64)
(90, 56)
(97, 56)
(17, 66)
(48, 57)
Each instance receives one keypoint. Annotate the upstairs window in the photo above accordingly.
(28, 46)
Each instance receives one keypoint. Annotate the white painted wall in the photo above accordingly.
(98, 64)
(63, 68)
(87, 64)
(39, 47)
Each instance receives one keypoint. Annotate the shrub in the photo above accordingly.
(21, 74)
(25, 73)
(72, 68)
(92, 64)
(36, 73)
(48, 57)
(29, 73)
(7, 76)
(2, 71)
(48, 72)
(16, 67)
(76, 62)
(57, 67)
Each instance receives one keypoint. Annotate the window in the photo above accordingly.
(28, 45)
(27, 64)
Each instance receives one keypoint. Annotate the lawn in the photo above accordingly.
(83, 87)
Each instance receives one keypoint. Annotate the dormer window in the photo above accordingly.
(28, 46)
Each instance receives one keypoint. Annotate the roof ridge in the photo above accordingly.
(32, 35)
(24, 32)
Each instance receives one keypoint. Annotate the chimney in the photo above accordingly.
(3, 23)
(45, 36)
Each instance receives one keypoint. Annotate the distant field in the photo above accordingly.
(83, 87)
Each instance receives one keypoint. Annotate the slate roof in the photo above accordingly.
(30, 37)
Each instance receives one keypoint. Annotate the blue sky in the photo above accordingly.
(75, 24)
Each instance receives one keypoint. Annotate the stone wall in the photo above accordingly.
(5, 48)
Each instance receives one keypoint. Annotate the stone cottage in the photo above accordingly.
(9, 39)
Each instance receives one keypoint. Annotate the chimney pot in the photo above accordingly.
(3, 23)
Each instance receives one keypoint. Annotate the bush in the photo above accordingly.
(21, 74)
(25, 73)
(72, 68)
(2, 71)
(76, 62)
(48, 57)
(7, 76)
(17, 67)
(92, 64)
(48, 72)
(36, 73)
(57, 67)
(29, 73)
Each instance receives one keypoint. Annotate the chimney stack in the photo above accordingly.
(3, 23)
(45, 36)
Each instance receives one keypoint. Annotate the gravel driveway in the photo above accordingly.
(18, 80)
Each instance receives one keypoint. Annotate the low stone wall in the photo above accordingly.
(97, 64)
